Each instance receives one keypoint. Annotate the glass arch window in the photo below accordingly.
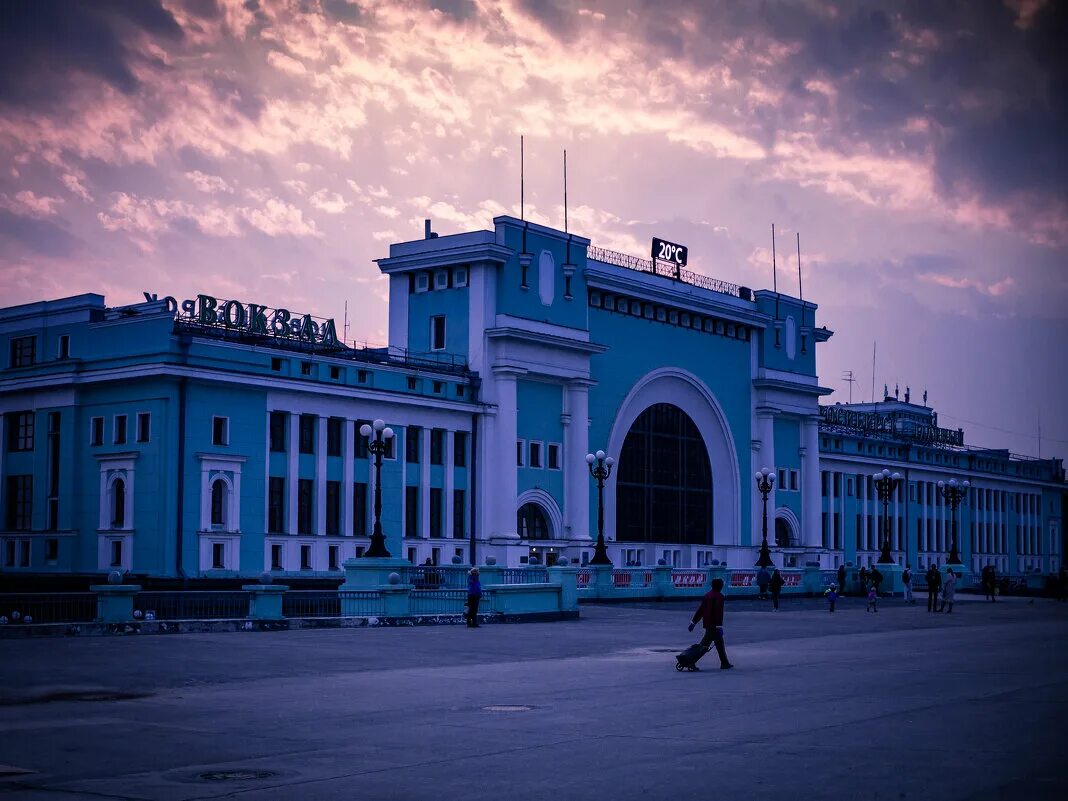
(218, 503)
(118, 504)
(531, 523)
(783, 538)
(664, 488)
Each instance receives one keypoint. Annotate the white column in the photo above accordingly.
(293, 471)
(576, 474)
(320, 476)
(450, 482)
(424, 484)
(810, 484)
(504, 500)
(348, 448)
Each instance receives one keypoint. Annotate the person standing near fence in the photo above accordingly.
(949, 591)
(876, 578)
(906, 581)
(474, 596)
(776, 588)
(762, 579)
(934, 585)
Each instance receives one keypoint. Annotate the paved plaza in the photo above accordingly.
(896, 705)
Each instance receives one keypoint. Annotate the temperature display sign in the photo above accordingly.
(669, 251)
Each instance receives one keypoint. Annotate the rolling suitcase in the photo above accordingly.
(687, 660)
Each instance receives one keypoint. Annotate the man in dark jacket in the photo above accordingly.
(763, 577)
(710, 613)
(876, 578)
(934, 586)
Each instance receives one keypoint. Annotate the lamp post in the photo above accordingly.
(600, 468)
(886, 485)
(377, 446)
(765, 481)
(953, 493)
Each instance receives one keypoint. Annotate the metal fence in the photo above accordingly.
(311, 603)
(447, 602)
(361, 603)
(659, 268)
(191, 605)
(435, 577)
(523, 575)
(48, 607)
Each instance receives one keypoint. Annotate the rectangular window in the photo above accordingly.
(782, 480)
(411, 511)
(436, 500)
(307, 433)
(278, 432)
(333, 552)
(51, 550)
(793, 479)
(23, 351)
(459, 514)
(144, 426)
(116, 553)
(437, 446)
(220, 430)
(9, 553)
(554, 457)
(306, 368)
(305, 507)
(823, 484)
(119, 437)
(20, 431)
(334, 427)
(276, 556)
(535, 454)
(276, 505)
(519, 448)
(24, 553)
(361, 376)
(459, 448)
(276, 365)
(360, 441)
(19, 502)
(412, 381)
(305, 557)
(437, 332)
(96, 431)
(391, 448)
(63, 352)
(52, 521)
(335, 373)
(438, 387)
(333, 508)
(849, 487)
(218, 558)
(412, 441)
(359, 509)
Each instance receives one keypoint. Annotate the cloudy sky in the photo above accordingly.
(269, 150)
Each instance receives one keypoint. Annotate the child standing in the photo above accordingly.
(832, 596)
(873, 599)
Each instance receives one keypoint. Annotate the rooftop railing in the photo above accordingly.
(665, 270)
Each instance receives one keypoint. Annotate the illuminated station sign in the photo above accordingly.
(250, 319)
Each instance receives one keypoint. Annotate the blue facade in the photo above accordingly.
(210, 439)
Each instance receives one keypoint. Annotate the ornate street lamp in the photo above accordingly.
(377, 446)
(953, 493)
(886, 485)
(765, 481)
(600, 468)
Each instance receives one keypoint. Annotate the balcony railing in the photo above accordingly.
(665, 270)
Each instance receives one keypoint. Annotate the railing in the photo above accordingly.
(523, 575)
(688, 579)
(632, 578)
(582, 578)
(444, 602)
(659, 268)
(361, 603)
(191, 605)
(311, 603)
(40, 607)
(443, 577)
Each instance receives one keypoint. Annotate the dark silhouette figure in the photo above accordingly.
(934, 586)
(474, 596)
(763, 577)
(776, 588)
(841, 578)
(876, 578)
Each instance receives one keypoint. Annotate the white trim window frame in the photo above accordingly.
(520, 453)
(550, 448)
(535, 454)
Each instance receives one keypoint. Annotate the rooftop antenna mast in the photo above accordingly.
(800, 293)
(565, 190)
(873, 346)
(775, 283)
(522, 194)
(345, 336)
(847, 376)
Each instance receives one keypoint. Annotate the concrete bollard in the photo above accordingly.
(114, 602)
(265, 600)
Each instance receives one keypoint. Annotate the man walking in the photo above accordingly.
(876, 578)
(949, 591)
(906, 581)
(710, 613)
(776, 587)
(934, 585)
(762, 578)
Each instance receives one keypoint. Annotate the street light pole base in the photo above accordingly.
(764, 560)
(377, 548)
(600, 553)
(886, 559)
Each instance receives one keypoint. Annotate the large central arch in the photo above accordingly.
(683, 389)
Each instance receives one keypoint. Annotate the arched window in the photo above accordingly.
(531, 523)
(218, 503)
(118, 503)
(664, 489)
(782, 533)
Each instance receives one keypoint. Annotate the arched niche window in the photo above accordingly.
(531, 523)
(118, 503)
(664, 489)
(219, 501)
(783, 536)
